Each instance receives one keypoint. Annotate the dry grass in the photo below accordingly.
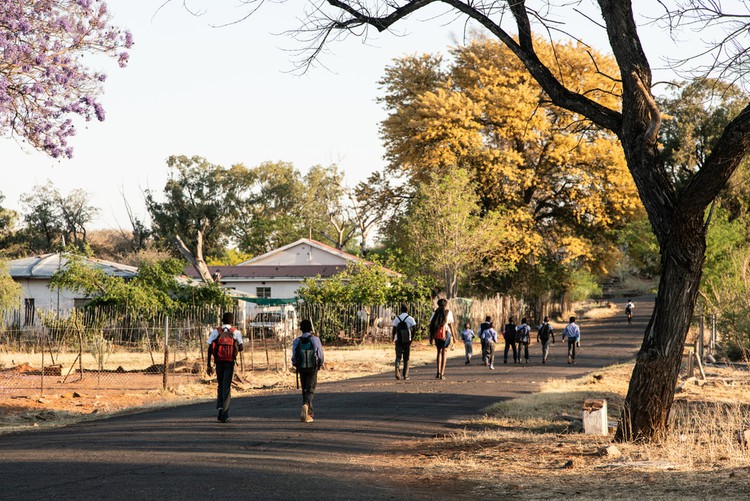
(538, 435)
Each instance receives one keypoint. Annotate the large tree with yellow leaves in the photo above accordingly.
(562, 178)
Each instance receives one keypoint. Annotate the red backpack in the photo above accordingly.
(225, 346)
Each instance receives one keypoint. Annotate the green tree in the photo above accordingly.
(271, 216)
(443, 235)
(198, 197)
(155, 288)
(325, 211)
(11, 291)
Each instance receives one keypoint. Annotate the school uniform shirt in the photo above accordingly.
(524, 330)
(215, 334)
(317, 346)
(467, 335)
(490, 335)
(409, 321)
(571, 331)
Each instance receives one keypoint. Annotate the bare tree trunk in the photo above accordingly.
(650, 396)
(195, 259)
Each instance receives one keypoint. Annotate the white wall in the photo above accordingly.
(45, 298)
(279, 288)
(302, 254)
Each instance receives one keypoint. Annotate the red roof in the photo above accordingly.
(260, 271)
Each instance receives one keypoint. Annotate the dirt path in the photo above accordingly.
(266, 453)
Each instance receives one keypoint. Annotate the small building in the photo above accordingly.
(280, 273)
(34, 275)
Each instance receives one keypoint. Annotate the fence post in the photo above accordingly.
(166, 352)
(701, 330)
(41, 389)
(713, 334)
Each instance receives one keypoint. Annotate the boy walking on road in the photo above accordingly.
(307, 359)
(403, 325)
(482, 327)
(467, 335)
(523, 339)
(509, 335)
(543, 334)
(224, 343)
(573, 333)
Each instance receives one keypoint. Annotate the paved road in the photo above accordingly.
(266, 453)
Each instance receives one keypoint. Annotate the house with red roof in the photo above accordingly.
(280, 273)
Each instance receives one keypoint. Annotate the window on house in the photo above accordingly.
(29, 311)
(81, 302)
(263, 292)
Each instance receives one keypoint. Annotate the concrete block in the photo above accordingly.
(595, 417)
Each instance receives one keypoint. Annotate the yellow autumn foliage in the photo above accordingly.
(553, 175)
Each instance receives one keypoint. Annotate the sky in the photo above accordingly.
(229, 94)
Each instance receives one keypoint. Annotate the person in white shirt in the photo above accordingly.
(403, 327)
(223, 345)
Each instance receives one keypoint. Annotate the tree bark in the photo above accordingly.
(645, 415)
(195, 259)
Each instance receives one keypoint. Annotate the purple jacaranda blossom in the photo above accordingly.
(43, 81)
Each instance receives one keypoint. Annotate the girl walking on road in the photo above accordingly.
(441, 328)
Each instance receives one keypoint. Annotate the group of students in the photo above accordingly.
(225, 342)
(517, 339)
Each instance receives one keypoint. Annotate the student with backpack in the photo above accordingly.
(509, 336)
(307, 359)
(482, 327)
(224, 343)
(543, 334)
(467, 336)
(441, 329)
(523, 338)
(403, 326)
(573, 333)
(629, 311)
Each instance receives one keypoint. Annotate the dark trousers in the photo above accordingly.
(523, 347)
(572, 348)
(402, 350)
(510, 344)
(224, 374)
(485, 352)
(308, 379)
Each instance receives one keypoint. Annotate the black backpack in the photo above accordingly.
(403, 333)
(544, 333)
(305, 355)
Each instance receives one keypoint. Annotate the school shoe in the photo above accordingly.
(398, 372)
(492, 367)
(303, 415)
(309, 419)
(221, 414)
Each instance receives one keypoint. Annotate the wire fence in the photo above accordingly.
(105, 349)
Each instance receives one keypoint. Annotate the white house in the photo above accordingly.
(279, 274)
(34, 274)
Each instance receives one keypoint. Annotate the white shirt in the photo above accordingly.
(215, 333)
(410, 322)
